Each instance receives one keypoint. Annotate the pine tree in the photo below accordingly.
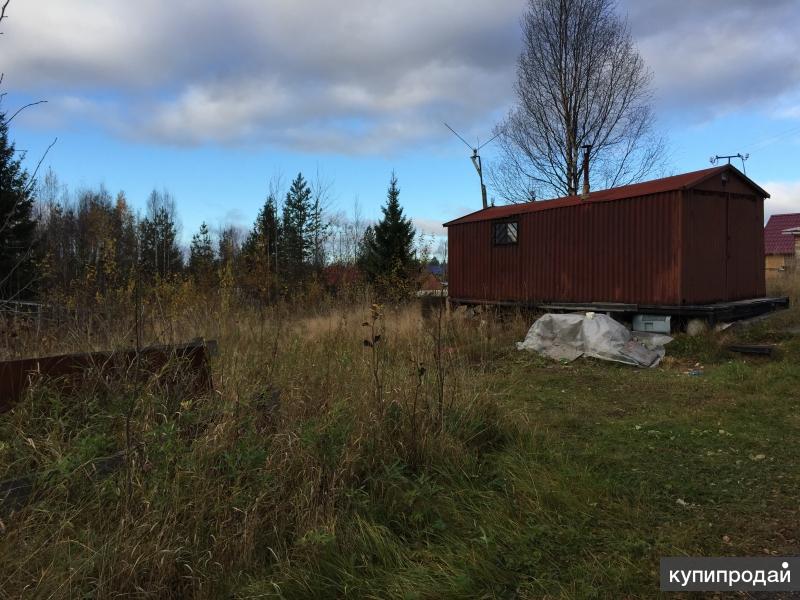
(228, 247)
(17, 225)
(366, 257)
(159, 254)
(295, 250)
(229, 258)
(316, 236)
(201, 256)
(127, 243)
(57, 235)
(260, 251)
(387, 250)
(262, 241)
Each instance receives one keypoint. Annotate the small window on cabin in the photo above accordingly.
(505, 233)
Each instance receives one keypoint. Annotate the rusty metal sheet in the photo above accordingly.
(723, 250)
(675, 247)
(609, 252)
(69, 371)
(708, 178)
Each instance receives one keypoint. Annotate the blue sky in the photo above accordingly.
(212, 100)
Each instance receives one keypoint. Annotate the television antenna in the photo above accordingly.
(742, 157)
(476, 159)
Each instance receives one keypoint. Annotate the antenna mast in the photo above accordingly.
(476, 160)
(743, 157)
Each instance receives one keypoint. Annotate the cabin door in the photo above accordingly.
(742, 247)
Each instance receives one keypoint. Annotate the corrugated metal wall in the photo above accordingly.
(723, 247)
(655, 249)
(705, 248)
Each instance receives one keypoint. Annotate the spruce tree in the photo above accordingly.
(262, 241)
(295, 250)
(201, 256)
(17, 225)
(228, 246)
(260, 251)
(316, 236)
(388, 248)
(366, 257)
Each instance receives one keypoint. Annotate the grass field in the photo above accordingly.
(437, 462)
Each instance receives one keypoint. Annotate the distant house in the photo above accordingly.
(794, 233)
(428, 281)
(435, 270)
(338, 276)
(779, 244)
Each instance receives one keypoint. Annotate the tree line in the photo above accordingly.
(89, 245)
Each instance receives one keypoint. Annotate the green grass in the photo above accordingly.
(611, 469)
(544, 481)
(617, 471)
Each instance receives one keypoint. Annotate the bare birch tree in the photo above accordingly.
(580, 81)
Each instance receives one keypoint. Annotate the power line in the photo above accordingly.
(767, 141)
(476, 158)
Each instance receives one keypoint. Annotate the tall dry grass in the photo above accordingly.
(322, 425)
(785, 284)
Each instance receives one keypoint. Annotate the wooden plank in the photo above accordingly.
(719, 311)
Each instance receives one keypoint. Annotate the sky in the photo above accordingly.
(213, 100)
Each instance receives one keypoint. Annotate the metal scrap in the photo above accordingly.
(757, 349)
(68, 372)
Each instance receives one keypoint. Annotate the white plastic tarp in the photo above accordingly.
(570, 336)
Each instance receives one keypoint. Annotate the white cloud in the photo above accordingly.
(345, 117)
(348, 76)
(217, 112)
(356, 77)
(716, 56)
(72, 110)
(788, 107)
(430, 227)
(784, 197)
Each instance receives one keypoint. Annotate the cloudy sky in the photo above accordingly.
(213, 99)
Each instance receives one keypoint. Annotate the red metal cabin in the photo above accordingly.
(691, 239)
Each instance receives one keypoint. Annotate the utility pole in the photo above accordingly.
(476, 160)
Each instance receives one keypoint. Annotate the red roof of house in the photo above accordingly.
(341, 275)
(427, 282)
(775, 241)
(655, 186)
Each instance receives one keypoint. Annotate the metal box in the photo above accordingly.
(654, 323)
